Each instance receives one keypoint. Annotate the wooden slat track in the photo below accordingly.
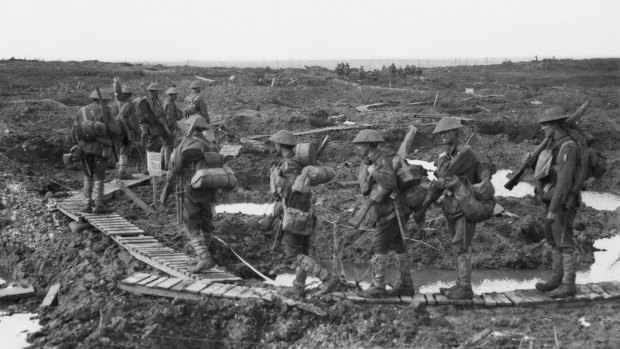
(136, 241)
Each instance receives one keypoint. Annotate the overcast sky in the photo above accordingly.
(179, 30)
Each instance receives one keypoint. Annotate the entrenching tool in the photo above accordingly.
(399, 214)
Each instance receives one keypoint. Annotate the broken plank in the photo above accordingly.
(135, 278)
(51, 297)
(11, 293)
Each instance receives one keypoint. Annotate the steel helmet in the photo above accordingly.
(154, 87)
(104, 94)
(447, 124)
(368, 136)
(194, 84)
(126, 89)
(284, 137)
(552, 114)
(173, 91)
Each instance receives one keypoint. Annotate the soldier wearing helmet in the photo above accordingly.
(296, 246)
(152, 119)
(195, 103)
(93, 131)
(556, 172)
(458, 160)
(172, 115)
(378, 180)
(125, 112)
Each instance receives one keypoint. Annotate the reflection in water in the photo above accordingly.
(245, 208)
(15, 328)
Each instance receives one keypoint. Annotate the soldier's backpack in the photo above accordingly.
(86, 128)
(476, 200)
(212, 173)
(409, 177)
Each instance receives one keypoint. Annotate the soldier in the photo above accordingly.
(557, 171)
(458, 160)
(126, 115)
(296, 246)
(378, 181)
(196, 103)
(152, 119)
(93, 131)
(197, 204)
(172, 115)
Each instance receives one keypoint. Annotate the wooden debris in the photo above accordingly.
(135, 198)
(367, 107)
(483, 108)
(231, 149)
(11, 293)
(51, 298)
(480, 96)
(407, 143)
(344, 128)
(476, 338)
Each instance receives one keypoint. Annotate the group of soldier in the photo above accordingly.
(154, 123)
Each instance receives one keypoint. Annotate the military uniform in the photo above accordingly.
(151, 117)
(196, 103)
(197, 204)
(296, 246)
(557, 172)
(95, 153)
(171, 115)
(126, 115)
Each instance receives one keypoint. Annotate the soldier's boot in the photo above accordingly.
(100, 207)
(464, 290)
(557, 272)
(311, 267)
(299, 284)
(121, 168)
(456, 285)
(404, 286)
(377, 289)
(567, 288)
(204, 259)
(88, 193)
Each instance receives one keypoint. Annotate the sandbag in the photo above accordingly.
(305, 153)
(318, 174)
(214, 178)
(296, 221)
(475, 209)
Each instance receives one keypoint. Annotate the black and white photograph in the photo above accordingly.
(309, 174)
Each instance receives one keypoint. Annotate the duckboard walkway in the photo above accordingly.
(136, 241)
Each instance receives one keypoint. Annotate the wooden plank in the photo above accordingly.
(600, 291)
(137, 240)
(503, 300)
(135, 278)
(461, 302)
(197, 286)
(171, 282)
(406, 299)
(223, 289)
(588, 292)
(134, 198)
(234, 292)
(478, 301)
(535, 296)
(354, 297)
(181, 285)
(249, 293)
(159, 292)
(518, 300)
(611, 289)
(419, 299)
(51, 297)
(157, 281)
(147, 280)
(133, 230)
(489, 300)
(430, 299)
(10, 293)
(214, 286)
(269, 295)
(116, 233)
(441, 299)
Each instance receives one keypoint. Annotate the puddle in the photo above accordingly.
(14, 329)
(605, 268)
(245, 208)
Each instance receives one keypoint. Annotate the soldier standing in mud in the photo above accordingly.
(458, 160)
(172, 115)
(197, 204)
(196, 103)
(127, 116)
(378, 181)
(93, 131)
(557, 171)
(296, 246)
(151, 117)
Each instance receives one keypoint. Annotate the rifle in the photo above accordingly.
(322, 146)
(533, 157)
(399, 214)
(107, 118)
(167, 188)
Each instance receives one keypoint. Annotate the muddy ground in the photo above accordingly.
(39, 99)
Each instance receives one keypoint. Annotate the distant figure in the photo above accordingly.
(195, 103)
(93, 131)
(126, 114)
(172, 115)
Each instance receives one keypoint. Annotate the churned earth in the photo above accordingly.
(39, 99)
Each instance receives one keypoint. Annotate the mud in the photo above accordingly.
(37, 247)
